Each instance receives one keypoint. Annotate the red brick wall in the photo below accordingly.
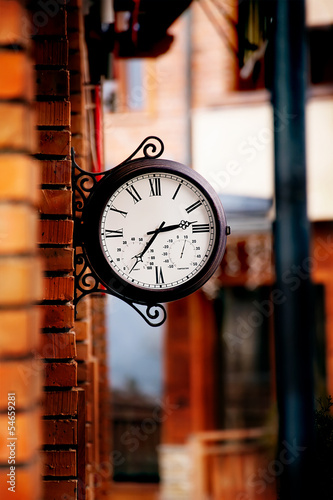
(60, 409)
(20, 265)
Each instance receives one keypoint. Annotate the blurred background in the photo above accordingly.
(188, 410)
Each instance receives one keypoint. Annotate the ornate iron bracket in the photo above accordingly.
(86, 280)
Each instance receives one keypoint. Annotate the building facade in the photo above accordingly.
(201, 85)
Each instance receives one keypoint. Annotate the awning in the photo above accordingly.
(136, 28)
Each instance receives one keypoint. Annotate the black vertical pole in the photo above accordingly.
(293, 316)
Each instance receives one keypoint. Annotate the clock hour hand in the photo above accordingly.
(184, 224)
(139, 256)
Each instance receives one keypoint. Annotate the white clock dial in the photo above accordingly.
(157, 231)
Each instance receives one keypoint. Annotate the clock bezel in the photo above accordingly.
(91, 236)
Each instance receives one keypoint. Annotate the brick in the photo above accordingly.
(18, 228)
(20, 280)
(18, 178)
(75, 19)
(59, 463)
(53, 113)
(58, 345)
(60, 432)
(19, 132)
(60, 374)
(77, 123)
(62, 489)
(51, 82)
(55, 201)
(57, 316)
(76, 41)
(84, 351)
(75, 61)
(54, 142)
(16, 79)
(58, 288)
(27, 432)
(83, 162)
(77, 103)
(76, 83)
(87, 387)
(14, 26)
(56, 231)
(51, 19)
(24, 378)
(88, 432)
(84, 372)
(62, 403)
(83, 308)
(28, 483)
(89, 453)
(83, 329)
(80, 144)
(56, 172)
(57, 259)
(51, 52)
(23, 326)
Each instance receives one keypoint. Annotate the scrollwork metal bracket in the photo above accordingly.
(86, 280)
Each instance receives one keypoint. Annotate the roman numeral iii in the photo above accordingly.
(200, 228)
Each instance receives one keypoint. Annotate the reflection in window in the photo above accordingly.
(245, 386)
(135, 361)
(254, 35)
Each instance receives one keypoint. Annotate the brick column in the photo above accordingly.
(60, 451)
(20, 268)
(100, 351)
(89, 321)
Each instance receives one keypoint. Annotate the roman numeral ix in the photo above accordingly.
(114, 233)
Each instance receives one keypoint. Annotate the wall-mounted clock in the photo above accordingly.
(152, 230)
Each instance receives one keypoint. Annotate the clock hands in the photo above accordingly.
(184, 224)
(138, 257)
(162, 228)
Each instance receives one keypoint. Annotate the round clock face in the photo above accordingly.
(154, 230)
(157, 230)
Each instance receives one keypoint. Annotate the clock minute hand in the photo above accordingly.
(183, 224)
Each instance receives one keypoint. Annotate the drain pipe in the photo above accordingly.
(293, 313)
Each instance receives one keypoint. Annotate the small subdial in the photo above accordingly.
(182, 254)
(128, 253)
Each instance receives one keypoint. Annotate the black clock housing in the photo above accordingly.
(91, 238)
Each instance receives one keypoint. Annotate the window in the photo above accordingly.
(135, 361)
(244, 377)
(254, 32)
(133, 86)
(320, 40)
